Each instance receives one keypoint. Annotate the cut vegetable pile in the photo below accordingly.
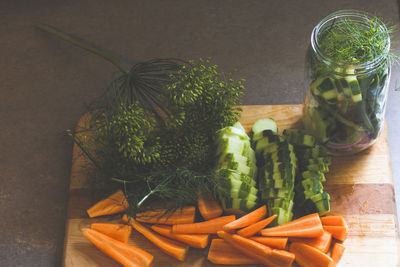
(260, 180)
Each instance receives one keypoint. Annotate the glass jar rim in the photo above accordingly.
(356, 14)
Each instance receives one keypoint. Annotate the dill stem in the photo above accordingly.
(84, 45)
(139, 204)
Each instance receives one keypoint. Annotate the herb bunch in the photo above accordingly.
(152, 132)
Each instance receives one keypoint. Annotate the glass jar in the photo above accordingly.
(345, 104)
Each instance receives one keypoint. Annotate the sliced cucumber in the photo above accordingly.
(231, 131)
(299, 137)
(264, 124)
(239, 126)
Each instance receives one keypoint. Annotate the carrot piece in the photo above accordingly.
(120, 232)
(270, 241)
(209, 207)
(115, 203)
(193, 240)
(207, 227)
(246, 220)
(333, 220)
(307, 256)
(123, 253)
(322, 242)
(338, 232)
(170, 247)
(221, 252)
(257, 227)
(162, 216)
(306, 226)
(337, 252)
(260, 252)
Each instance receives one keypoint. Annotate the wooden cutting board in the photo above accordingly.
(361, 189)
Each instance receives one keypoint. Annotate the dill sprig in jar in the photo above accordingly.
(348, 67)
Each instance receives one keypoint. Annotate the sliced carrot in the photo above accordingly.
(271, 241)
(307, 226)
(115, 203)
(260, 252)
(322, 242)
(209, 207)
(333, 220)
(337, 252)
(221, 252)
(170, 247)
(123, 253)
(207, 227)
(307, 256)
(162, 216)
(256, 227)
(193, 240)
(338, 232)
(246, 220)
(120, 232)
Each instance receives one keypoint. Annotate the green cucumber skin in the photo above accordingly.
(277, 163)
(236, 169)
(358, 106)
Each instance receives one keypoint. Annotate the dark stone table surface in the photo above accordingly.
(45, 84)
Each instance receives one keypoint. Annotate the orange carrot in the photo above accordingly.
(209, 207)
(307, 256)
(333, 220)
(193, 240)
(322, 242)
(260, 252)
(207, 227)
(115, 203)
(221, 252)
(170, 247)
(123, 253)
(338, 232)
(246, 220)
(162, 216)
(307, 226)
(337, 252)
(256, 227)
(120, 232)
(270, 241)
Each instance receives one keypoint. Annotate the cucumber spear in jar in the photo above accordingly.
(349, 66)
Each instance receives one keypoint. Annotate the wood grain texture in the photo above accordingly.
(361, 189)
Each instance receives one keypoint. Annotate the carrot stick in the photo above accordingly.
(307, 226)
(115, 203)
(170, 247)
(162, 216)
(307, 256)
(256, 227)
(123, 253)
(120, 232)
(270, 241)
(221, 252)
(209, 207)
(207, 227)
(337, 252)
(193, 240)
(260, 252)
(338, 232)
(333, 220)
(322, 242)
(246, 220)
